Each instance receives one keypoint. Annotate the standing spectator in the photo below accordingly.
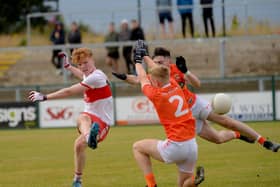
(186, 12)
(74, 36)
(57, 38)
(137, 32)
(112, 52)
(124, 35)
(164, 8)
(207, 14)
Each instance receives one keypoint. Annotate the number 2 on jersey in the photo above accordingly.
(180, 111)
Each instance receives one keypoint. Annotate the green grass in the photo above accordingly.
(44, 158)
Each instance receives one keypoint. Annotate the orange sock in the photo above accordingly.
(193, 180)
(261, 140)
(150, 180)
(237, 134)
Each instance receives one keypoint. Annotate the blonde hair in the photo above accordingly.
(80, 54)
(160, 73)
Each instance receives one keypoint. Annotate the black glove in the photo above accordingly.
(137, 56)
(120, 76)
(140, 50)
(181, 64)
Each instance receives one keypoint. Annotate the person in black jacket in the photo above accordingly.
(207, 14)
(57, 38)
(74, 36)
(137, 32)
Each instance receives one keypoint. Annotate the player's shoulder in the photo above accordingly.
(98, 73)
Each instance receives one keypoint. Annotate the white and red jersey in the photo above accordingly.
(98, 97)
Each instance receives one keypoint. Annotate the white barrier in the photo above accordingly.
(247, 106)
(60, 113)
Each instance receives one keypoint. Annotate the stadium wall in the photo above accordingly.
(247, 106)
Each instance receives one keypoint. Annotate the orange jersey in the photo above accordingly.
(176, 74)
(173, 110)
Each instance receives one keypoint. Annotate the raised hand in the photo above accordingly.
(140, 50)
(181, 64)
(65, 58)
(36, 96)
(120, 76)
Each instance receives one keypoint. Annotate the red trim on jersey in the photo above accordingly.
(85, 85)
(93, 94)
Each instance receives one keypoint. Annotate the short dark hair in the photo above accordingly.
(160, 51)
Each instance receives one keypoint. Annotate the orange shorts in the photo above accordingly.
(103, 127)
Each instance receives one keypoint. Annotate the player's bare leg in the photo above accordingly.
(80, 146)
(209, 133)
(143, 150)
(244, 129)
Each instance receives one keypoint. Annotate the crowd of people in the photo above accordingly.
(59, 37)
(128, 32)
(185, 9)
(132, 31)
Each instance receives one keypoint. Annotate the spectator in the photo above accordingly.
(207, 14)
(124, 35)
(112, 52)
(57, 38)
(164, 13)
(186, 12)
(74, 36)
(137, 32)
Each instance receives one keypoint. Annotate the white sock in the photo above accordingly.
(77, 176)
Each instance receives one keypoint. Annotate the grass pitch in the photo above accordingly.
(44, 158)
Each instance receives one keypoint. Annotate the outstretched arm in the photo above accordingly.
(191, 78)
(149, 62)
(130, 79)
(66, 64)
(62, 93)
(139, 53)
(142, 75)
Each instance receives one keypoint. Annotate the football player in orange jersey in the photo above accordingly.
(201, 108)
(174, 113)
(94, 123)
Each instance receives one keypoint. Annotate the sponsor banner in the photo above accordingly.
(60, 113)
(18, 115)
(277, 103)
(135, 110)
(247, 106)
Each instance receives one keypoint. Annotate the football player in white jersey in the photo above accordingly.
(94, 122)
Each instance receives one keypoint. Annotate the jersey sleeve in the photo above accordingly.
(148, 91)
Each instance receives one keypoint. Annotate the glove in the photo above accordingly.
(137, 57)
(120, 76)
(140, 50)
(181, 64)
(36, 96)
(141, 46)
(66, 63)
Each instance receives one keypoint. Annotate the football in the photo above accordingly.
(221, 103)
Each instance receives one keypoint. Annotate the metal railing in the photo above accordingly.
(20, 93)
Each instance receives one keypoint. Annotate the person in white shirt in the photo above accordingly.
(94, 122)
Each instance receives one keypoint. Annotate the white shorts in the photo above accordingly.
(184, 154)
(200, 110)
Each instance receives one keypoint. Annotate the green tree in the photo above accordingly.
(13, 13)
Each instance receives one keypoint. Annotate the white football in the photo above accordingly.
(221, 103)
